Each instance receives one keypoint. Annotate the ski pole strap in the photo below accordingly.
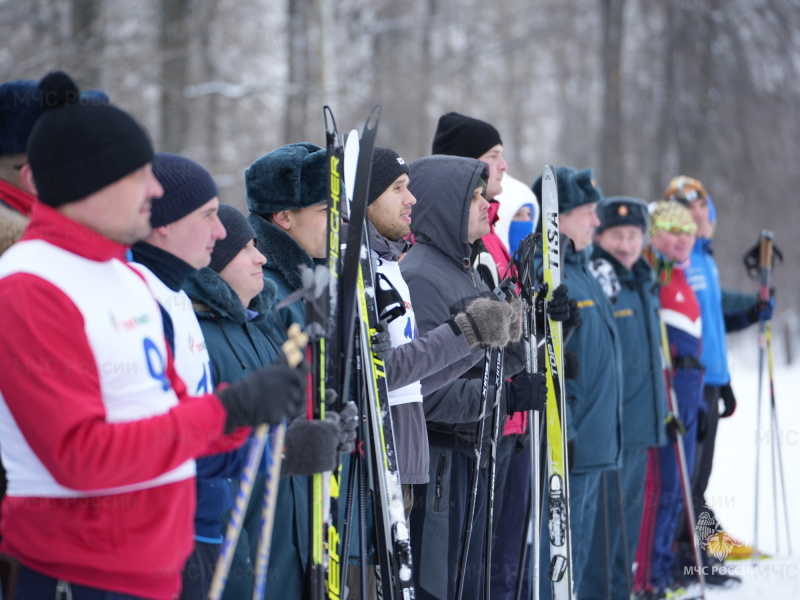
(505, 291)
(762, 255)
(390, 303)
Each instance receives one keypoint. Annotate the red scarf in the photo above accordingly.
(17, 198)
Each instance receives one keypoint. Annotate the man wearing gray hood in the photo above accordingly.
(419, 364)
(450, 215)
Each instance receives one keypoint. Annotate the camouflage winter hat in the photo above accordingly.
(671, 216)
(685, 189)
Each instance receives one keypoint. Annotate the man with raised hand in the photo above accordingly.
(723, 311)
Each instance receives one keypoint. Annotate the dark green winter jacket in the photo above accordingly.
(634, 300)
(594, 398)
(237, 345)
(284, 258)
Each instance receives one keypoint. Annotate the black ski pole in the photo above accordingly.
(487, 563)
(606, 545)
(523, 554)
(473, 494)
(764, 268)
(623, 529)
(777, 440)
(362, 526)
(680, 453)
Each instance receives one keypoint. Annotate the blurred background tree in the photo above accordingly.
(640, 91)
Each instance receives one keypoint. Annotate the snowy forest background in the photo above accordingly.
(639, 90)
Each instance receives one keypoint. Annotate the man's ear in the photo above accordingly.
(282, 220)
(27, 179)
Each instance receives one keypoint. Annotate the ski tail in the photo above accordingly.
(393, 541)
(338, 358)
(557, 481)
(322, 361)
(355, 228)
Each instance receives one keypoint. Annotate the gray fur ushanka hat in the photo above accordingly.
(293, 176)
(575, 188)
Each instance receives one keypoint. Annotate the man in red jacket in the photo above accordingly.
(98, 433)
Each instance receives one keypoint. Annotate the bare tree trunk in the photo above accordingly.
(611, 151)
(421, 145)
(705, 86)
(173, 44)
(297, 97)
(87, 41)
(665, 123)
(328, 67)
(205, 22)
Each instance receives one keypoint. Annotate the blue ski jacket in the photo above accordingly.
(722, 311)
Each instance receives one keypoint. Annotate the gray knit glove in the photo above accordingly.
(515, 325)
(486, 322)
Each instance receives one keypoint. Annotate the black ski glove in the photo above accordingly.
(726, 393)
(381, 341)
(485, 322)
(570, 455)
(575, 320)
(311, 446)
(674, 427)
(264, 396)
(317, 446)
(558, 307)
(571, 365)
(763, 309)
(702, 425)
(527, 391)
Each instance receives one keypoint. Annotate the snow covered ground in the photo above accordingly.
(731, 491)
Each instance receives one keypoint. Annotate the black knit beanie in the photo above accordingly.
(237, 234)
(187, 186)
(78, 147)
(622, 210)
(458, 135)
(387, 165)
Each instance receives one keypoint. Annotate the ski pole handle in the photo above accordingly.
(765, 249)
(765, 265)
(293, 346)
